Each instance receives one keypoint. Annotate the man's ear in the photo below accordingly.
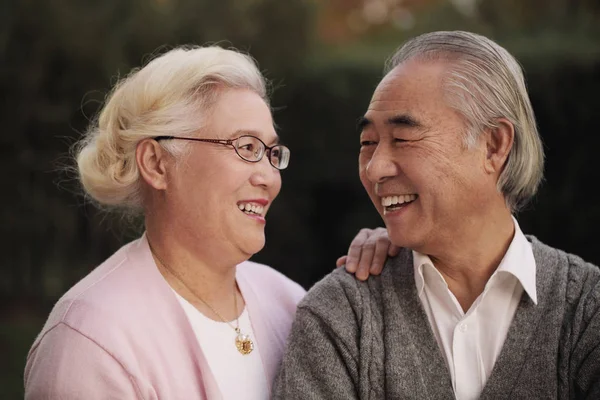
(499, 142)
(151, 160)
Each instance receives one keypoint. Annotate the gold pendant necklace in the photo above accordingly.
(243, 343)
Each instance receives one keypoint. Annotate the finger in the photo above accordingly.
(355, 250)
(393, 250)
(341, 261)
(379, 255)
(366, 257)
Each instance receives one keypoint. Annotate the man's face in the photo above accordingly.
(428, 187)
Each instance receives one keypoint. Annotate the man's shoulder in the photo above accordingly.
(583, 284)
(340, 290)
(582, 278)
(335, 286)
(576, 265)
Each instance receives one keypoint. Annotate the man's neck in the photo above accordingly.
(468, 265)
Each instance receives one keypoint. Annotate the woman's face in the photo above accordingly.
(211, 184)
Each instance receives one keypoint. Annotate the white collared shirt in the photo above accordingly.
(471, 341)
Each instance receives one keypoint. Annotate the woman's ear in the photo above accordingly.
(151, 159)
(499, 142)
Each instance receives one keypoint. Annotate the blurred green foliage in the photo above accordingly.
(58, 60)
(16, 338)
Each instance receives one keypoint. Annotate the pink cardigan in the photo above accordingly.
(120, 333)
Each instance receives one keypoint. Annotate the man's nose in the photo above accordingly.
(382, 165)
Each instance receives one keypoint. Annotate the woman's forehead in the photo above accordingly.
(242, 111)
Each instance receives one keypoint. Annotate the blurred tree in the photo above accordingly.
(561, 60)
(58, 60)
(535, 15)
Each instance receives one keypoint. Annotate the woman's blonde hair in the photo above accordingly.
(484, 83)
(171, 95)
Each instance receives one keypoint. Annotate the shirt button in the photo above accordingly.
(463, 327)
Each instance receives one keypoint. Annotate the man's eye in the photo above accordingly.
(367, 143)
(398, 140)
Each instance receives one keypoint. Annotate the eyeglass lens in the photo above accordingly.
(252, 149)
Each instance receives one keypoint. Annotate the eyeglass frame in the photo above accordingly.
(229, 142)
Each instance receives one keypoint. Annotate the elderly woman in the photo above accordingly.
(179, 313)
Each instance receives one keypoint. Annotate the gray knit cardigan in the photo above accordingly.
(372, 340)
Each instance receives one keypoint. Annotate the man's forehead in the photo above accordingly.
(414, 73)
(408, 85)
(389, 97)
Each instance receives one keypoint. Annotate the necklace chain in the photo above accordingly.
(172, 272)
(243, 343)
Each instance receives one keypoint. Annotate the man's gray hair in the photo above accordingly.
(484, 83)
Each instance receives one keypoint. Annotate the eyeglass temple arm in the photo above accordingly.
(228, 142)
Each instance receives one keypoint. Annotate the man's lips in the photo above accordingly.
(396, 202)
(397, 199)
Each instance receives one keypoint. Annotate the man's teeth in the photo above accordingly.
(251, 208)
(400, 199)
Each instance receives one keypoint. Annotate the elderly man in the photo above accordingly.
(471, 307)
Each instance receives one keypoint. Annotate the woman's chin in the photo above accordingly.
(252, 247)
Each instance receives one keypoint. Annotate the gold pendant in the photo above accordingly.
(244, 344)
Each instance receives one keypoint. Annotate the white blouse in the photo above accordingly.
(238, 376)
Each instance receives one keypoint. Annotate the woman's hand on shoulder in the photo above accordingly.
(368, 252)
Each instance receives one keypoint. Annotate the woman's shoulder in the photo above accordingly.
(99, 276)
(268, 280)
(101, 295)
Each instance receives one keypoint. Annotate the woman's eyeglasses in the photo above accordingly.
(249, 148)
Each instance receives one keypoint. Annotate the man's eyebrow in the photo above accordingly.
(403, 120)
(362, 123)
(398, 120)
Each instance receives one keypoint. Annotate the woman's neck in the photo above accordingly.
(207, 284)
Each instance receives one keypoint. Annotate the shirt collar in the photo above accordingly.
(419, 261)
(518, 261)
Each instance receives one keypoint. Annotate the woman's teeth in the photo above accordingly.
(389, 201)
(251, 208)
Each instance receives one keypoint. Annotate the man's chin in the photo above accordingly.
(401, 239)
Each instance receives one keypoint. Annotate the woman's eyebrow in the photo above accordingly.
(242, 132)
